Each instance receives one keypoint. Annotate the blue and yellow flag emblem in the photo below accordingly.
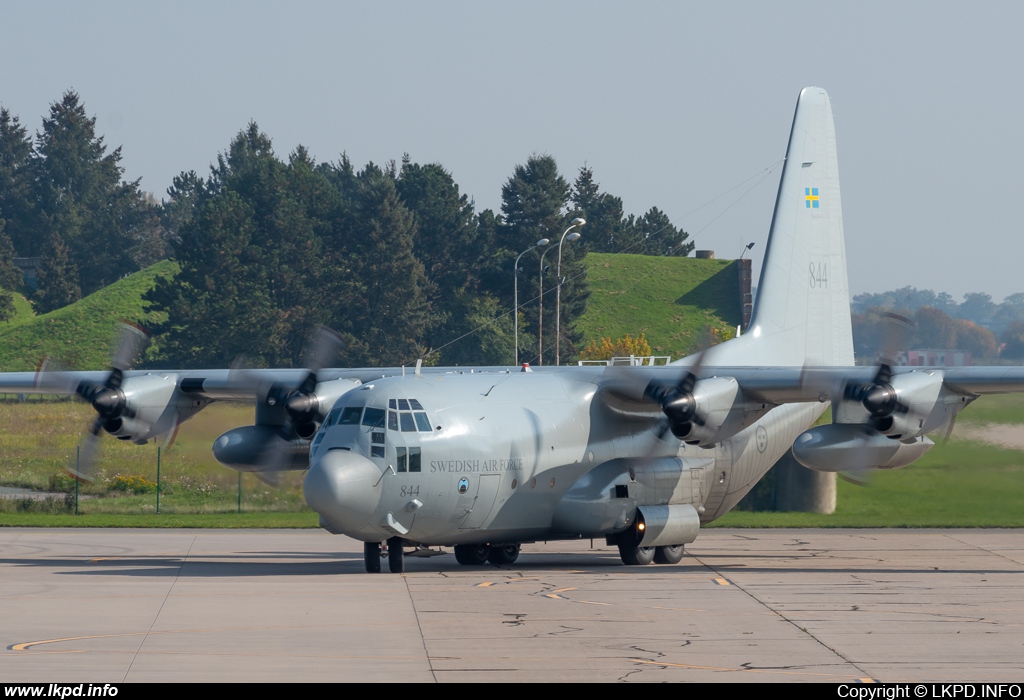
(811, 197)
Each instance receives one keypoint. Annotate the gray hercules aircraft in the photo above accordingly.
(486, 459)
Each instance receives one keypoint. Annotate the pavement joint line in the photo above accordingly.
(784, 617)
(983, 549)
(737, 669)
(419, 627)
(156, 617)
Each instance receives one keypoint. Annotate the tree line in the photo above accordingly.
(977, 325)
(393, 256)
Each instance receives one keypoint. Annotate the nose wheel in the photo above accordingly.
(396, 557)
(371, 557)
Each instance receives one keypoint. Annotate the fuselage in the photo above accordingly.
(518, 456)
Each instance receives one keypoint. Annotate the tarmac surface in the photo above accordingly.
(837, 606)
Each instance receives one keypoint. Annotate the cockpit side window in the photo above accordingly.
(350, 415)
(422, 423)
(373, 417)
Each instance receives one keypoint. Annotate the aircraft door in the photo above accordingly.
(486, 493)
(721, 473)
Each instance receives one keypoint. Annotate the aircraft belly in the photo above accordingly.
(741, 461)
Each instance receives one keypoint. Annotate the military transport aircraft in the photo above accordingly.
(486, 459)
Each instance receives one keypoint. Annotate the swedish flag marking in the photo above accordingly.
(811, 197)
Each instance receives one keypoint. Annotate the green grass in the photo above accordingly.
(23, 313)
(997, 408)
(674, 301)
(79, 335)
(38, 441)
(222, 520)
(960, 484)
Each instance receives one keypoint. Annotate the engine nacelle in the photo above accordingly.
(307, 411)
(247, 449)
(919, 393)
(720, 412)
(855, 448)
(150, 408)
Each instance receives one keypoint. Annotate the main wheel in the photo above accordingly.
(396, 557)
(671, 554)
(505, 554)
(636, 556)
(471, 554)
(371, 557)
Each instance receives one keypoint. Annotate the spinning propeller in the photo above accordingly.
(293, 408)
(678, 404)
(106, 397)
(879, 397)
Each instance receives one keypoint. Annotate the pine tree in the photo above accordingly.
(534, 203)
(248, 253)
(10, 276)
(58, 276)
(607, 230)
(16, 177)
(387, 310)
(82, 198)
(660, 237)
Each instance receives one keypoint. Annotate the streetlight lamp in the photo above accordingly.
(543, 241)
(747, 247)
(558, 274)
(540, 315)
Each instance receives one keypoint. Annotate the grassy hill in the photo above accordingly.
(79, 335)
(674, 301)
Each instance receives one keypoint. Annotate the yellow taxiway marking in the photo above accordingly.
(722, 582)
(563, 590)
(592, 602)
(28, 645)
(485, 584)
(726, 668)
(93, 561)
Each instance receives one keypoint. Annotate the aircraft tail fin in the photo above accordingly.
(802, 310)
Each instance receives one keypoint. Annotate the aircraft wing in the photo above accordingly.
(779, 385)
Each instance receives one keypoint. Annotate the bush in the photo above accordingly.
(132, 484)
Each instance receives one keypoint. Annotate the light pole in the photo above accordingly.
(558, 274)
(540, 315)
(747, 247)
(543, 241)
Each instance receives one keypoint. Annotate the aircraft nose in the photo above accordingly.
(340, 486)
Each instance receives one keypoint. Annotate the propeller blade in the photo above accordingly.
(83, 470)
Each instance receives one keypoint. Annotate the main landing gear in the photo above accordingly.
(477, 554)
(466, 554)
(633, 555)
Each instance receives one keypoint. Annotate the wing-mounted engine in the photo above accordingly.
(882, 424)
(287, 415)
(285, 420)
(140, 409)
(707, 411)
(901, 406)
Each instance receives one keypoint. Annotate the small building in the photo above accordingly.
(934, 358)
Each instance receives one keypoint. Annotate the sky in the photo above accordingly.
(681, 105)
